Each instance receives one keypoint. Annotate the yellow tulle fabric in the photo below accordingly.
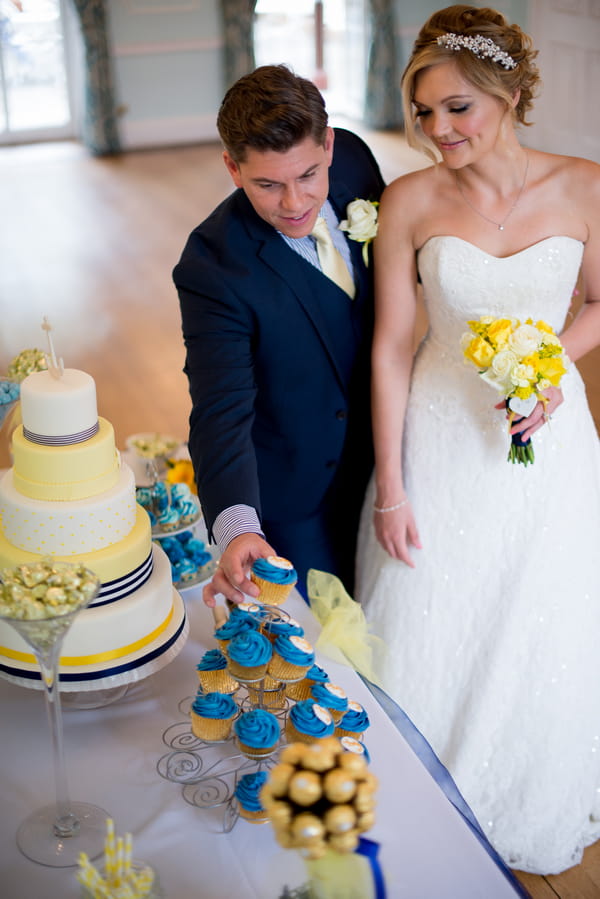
(345, 634)
(338, 875)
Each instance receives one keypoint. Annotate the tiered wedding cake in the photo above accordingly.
(69, 496)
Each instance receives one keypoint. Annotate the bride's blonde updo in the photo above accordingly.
(484, 73)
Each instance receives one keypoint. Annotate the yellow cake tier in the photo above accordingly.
(109, 563)
(65, 473)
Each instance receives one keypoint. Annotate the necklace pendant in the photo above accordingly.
(500, 227)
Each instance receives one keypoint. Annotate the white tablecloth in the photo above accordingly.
(427, 850)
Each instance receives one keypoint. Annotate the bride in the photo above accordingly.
(482, 575)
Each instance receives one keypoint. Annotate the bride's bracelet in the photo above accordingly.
(390, 508)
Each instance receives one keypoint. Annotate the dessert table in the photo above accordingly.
(427, 848)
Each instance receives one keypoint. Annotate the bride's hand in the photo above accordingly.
(542, 412)
(396, 531)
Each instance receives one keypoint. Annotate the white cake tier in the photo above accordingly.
(112, 639)
(68, 529)
(59, 407)
(113, 563)
(65, 473)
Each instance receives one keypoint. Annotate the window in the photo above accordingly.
(334, 56)
(35, 100)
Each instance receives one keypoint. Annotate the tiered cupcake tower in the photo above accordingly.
(259, 689)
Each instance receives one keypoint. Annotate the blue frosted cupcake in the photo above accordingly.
(257, 732)
(213, 674)
(308, 722)
(252, 610)
(332, 697)
(249, 653)
(212, 715)
(275, 577)
(247, 793)
(354, 722)
(301, 689)
(231, 628)
(282, 627)
(292, 657)
(356, 747)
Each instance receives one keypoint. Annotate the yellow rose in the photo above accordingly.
(181, 471)
(552, 369)
(479, 352)
(499, 331)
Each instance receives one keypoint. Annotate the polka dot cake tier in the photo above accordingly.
(68, 496)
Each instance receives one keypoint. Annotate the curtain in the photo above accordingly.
(383, 103)
(238, 20)
(100, 133)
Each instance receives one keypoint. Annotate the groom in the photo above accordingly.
(277, 353)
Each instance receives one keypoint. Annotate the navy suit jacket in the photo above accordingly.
(277, 357)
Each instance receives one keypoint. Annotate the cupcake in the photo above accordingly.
(213, 674)
(349, 744)
(257, 732)
(292, 657)
(247, 794)
(231, 628)
(212, 714)
(275, 577)
(353, 723)
(332, 697)
(252, 610)
(301, 689)
(249, 653)
(308, 722)
(281, 627)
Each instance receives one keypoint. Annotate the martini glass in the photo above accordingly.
(55, 834)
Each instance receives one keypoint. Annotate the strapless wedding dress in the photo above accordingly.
(493, 640)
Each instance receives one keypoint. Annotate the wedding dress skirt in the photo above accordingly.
(493, 640)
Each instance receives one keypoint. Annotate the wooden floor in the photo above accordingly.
(90, 243)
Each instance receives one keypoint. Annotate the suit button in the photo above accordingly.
(330, 463)
(340, 414)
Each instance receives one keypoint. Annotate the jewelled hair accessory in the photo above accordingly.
(480, 46)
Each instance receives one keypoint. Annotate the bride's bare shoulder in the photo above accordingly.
(415, 188)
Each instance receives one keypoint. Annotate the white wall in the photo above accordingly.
(168, 70)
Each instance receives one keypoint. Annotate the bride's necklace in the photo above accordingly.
(499, 225)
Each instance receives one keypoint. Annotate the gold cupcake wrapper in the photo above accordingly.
(299, 691)
(296, 736)
(246, 673)
(279, 668)
(272, 594)
(211, 729)
(258, 817)
(219, 681)
(255, 752)
(340, 732)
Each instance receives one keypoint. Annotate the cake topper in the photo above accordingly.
(56, 368)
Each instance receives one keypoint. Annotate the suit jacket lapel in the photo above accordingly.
(311, 288)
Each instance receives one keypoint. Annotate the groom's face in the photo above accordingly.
(286, 189)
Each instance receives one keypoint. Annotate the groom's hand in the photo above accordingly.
(230, 577)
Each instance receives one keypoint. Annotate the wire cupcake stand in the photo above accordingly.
(209, 772)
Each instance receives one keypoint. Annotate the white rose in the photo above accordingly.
(503, 362)
(522, 375)
(361, 223)
(525, 340)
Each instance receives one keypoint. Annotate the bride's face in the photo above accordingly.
(461, 120)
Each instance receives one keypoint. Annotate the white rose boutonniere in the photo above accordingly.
(361, 224)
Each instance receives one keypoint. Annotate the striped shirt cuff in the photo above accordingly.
(232, 522)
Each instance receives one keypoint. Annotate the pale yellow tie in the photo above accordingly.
(332, 261)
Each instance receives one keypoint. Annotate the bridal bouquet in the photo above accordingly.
(518, 360)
